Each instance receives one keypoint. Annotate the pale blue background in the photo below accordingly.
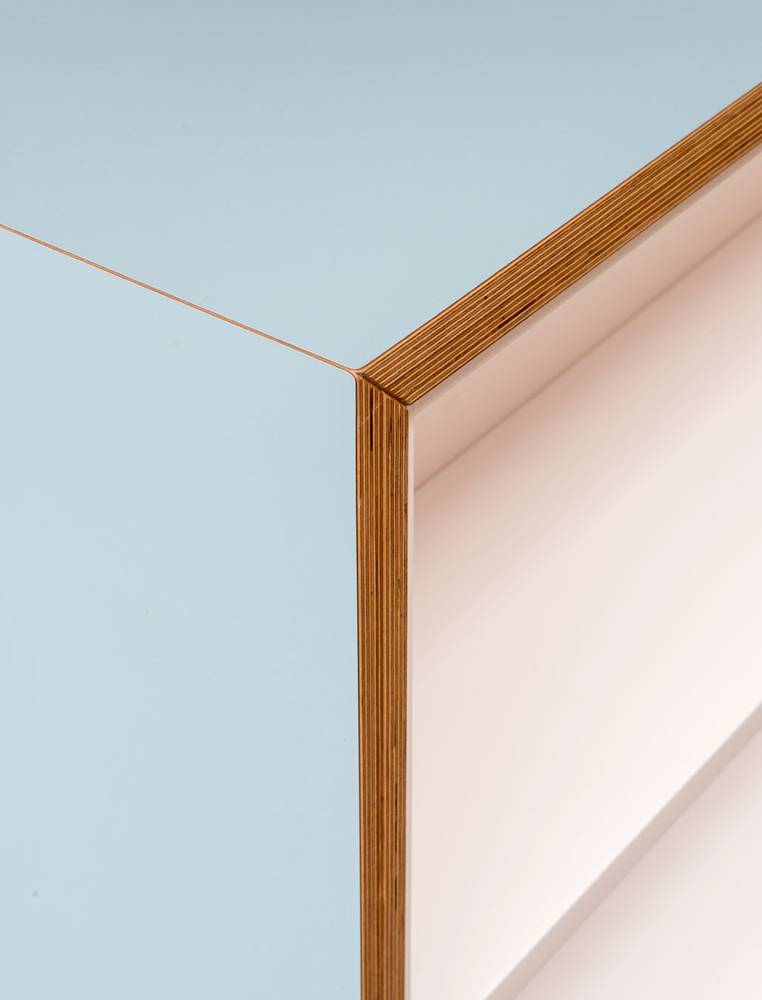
(178, 677)
(336, 172)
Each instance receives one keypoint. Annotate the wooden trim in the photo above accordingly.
(382, 501)
(385, 388)
(440, 347)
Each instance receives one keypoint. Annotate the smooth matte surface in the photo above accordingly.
(178, 651)
(335, 174)
(685, 923)
(584, 622)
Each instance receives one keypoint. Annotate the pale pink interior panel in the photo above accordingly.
(586, 575)
(685, 923)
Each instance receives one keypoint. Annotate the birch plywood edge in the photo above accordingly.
(382, 537)
(386, 387)
(443, 345)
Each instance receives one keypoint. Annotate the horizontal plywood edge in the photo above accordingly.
(443, 345)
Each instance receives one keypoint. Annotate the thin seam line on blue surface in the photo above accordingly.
(177, 298)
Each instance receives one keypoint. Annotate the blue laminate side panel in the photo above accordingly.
(337, 172)
(178, 680)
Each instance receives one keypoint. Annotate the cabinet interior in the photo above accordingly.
(586, 564)
(685, 921)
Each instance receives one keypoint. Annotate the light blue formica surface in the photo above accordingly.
(335, 173)
(178, 673)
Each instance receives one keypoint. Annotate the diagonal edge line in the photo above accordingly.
(176, 298)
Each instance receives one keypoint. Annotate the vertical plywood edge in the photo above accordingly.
(382, 547)
(443, 345)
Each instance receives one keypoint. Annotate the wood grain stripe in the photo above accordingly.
(440, 347)
(382, 500)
